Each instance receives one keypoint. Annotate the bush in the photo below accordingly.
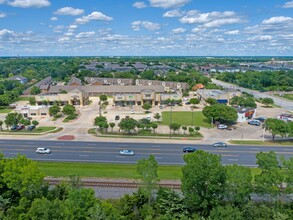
(58, 115)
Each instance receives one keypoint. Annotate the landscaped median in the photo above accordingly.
(128, 171)
(38, 131)
(146, 134)
(258, 142)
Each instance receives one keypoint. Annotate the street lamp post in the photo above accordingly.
(170, 119)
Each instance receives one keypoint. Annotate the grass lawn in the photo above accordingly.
(288, 96)
(255, 142)
(127, 171)
(185, 118)
(22, 99)
(5, 110)
(37, 130)
(70, 118)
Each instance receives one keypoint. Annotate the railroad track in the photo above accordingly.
(109, 184)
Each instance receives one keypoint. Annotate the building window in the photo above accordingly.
(148, 95)
(33, 113)
(43, 113)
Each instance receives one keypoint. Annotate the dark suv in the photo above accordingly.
(189, 149)
(117, 117)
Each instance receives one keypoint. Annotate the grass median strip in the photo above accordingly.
(268, 143)
(127, 171)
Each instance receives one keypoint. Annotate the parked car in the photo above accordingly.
(187, 103)
(126, 153)
(254, 122)
(161, 107)
(220, 144)
(43, 150)
(13, 127)
(260, 118)
(20, 127)
(222, 126)
(148, 117)
(30, 128)
(117, 117)
(132, 111)
(189, 149)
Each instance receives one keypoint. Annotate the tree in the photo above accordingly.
(221, 113)
(35, 90)
(32, 101)
(35, 123)
(101, 122)
(148, 171)
(227, 212)
(243, 102)
(112, 125)
(154, 126)
(238, 184)
(68, 109)
(157, 116)
(174, 126)
(184, 129)
(54, 110)
(146, 106)
(267, 101)
(11, 119)
(272, 177)
(211, 101)
(203, 181)
(1, 124)
(277, 127)
(194, 101)
(103, 98)
(4, 100)
(25, 122)
(128, 124)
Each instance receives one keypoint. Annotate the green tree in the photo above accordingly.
(103, 98)
(184, 128)
(203, 181)
(277, 127)
(68, 109)
(272, 177)
(54, 110)
(35, 90)
(221, 113)
(174, 126)
(227, 212)
(128, 124)
(238, 184)
(211, 101)
(157, 116)
(25, 121)
(1, 124)
(146, 106)
(194, 101)
(154, 126)
(267, 101)
(4, 100)
(112, 125)
(101, 122)
(148, 171)
(32, 101)
(288, 172)
(11, 119)
(35, 123)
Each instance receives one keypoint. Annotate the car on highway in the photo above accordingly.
(222, 126)
(219, 144)
(254, 122)
(43, 150)
(189, 149)
(126, 153)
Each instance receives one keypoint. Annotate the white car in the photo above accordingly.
(222, 126)
(132, 111)
(126, 153)
(42, 150)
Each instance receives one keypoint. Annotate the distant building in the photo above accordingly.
(74, 82)
(222, 96)
(21, 79)
(46, 81)
(197, 86)
(244, 114)
(33, 111)
(286, 117)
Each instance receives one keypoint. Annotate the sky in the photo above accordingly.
(146, 28)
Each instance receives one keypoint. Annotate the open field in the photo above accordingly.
(185, 118)
(128, 171)
(5, 110)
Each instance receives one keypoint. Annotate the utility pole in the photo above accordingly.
(170, 119)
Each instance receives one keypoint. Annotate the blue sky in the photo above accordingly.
(146, 28)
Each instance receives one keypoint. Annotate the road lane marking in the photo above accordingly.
(231, 159)
(83, 155)
(91, 144)
(254, 148)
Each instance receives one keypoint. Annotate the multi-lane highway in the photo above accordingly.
(108, 152)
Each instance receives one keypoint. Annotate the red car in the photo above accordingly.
(20, 127)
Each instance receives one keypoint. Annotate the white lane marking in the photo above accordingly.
(232, 159)
(254, 148)
(91, 145)
(123, 145)
(59, 143)
(83, 155)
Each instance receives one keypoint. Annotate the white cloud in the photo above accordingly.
(173, 13)
(276, 20)
(168, 3)
(221, 22)
(72, 27)
(94, 16)
(69, 11)
(178, 30)
(136, 25)
(260, 38)
(6, 33)
(85, 34)
(139, 5)
(2, 1)
(234, 32)
(29, 3)
(54, 19)
(288, 5)
(58, 28)
(2, 15)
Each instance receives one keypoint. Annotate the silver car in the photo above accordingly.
(126, 153)
(220, 144)
(42, 150)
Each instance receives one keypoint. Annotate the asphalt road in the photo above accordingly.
(285, 103)
(108, 152)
